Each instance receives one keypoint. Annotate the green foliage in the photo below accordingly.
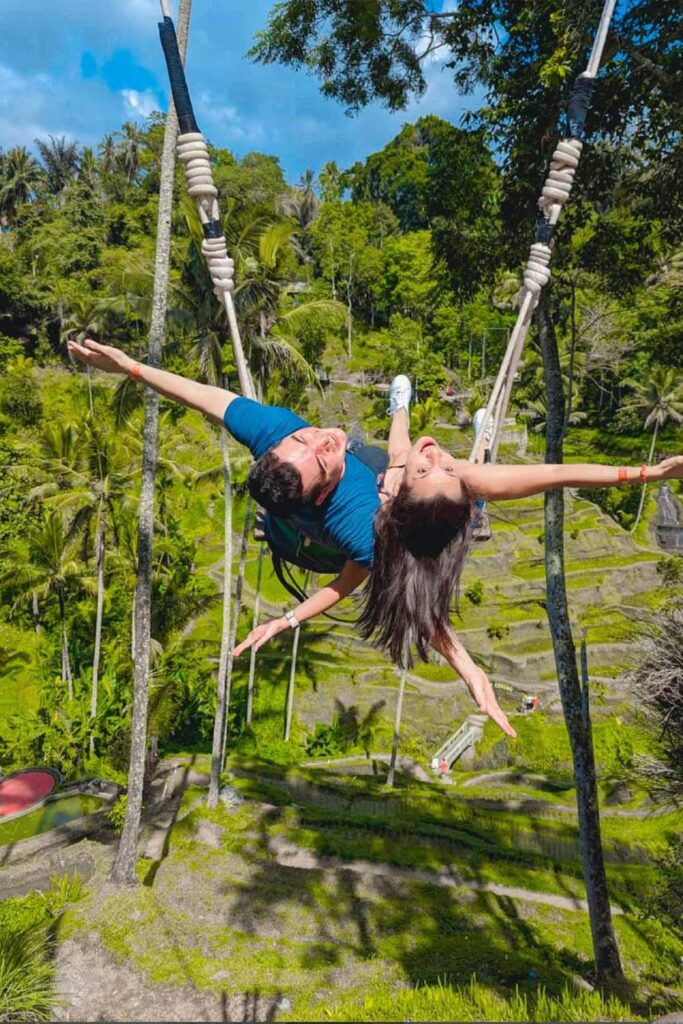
(663, 900)
(19, 393)
(117, 813)
(27, 949)
(497, 631)
(26, 976)
(670, 571)
(475, 592)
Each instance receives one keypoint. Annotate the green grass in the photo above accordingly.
(28, 926)
(527, 571)
(341, 945)
(477, 1002)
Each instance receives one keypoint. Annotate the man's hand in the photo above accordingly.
(485, 698)
(102, 357)
(261, 635)
(670, 469)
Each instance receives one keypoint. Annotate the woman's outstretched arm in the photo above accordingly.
(475, 679)
(497, 483)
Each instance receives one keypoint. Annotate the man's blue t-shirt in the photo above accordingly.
(345, 520)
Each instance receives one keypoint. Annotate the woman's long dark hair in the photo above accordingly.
(420, 549)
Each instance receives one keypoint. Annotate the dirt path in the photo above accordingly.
(288, 855)
(93, 986)
(405, 763)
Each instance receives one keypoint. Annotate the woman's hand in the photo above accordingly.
(102, 357)
(670, 469)
(485, 698)
(261, 635)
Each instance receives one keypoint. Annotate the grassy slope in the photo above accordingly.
(342, 945)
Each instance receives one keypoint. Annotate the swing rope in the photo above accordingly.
(193, 153)
(556, 192)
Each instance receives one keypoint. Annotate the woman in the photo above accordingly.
(424, 529)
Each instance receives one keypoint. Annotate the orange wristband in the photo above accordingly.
(643, 474)
(622, 475)
(135, 371)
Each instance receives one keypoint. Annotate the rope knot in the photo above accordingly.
(193, 153)
(560, 178)
(537, 272)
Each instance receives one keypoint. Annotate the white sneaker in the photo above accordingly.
(400, 393)
(477, 421)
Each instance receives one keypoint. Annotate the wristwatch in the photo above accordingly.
(292, 620)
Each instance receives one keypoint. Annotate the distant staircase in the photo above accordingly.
(466, 736)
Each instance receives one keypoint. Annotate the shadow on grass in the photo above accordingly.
(431, 931)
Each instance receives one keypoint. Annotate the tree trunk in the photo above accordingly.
(67, 676)
(644, 488)
(391, 774)
(99, 546)
(254, 624)
(222, 681)
(290, 688)
(123, 869)
(572, 360)
(239, 587)
(349, 307)
(574, 698)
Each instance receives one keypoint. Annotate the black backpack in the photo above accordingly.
(288, 546)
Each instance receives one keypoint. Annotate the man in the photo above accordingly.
(302, 473)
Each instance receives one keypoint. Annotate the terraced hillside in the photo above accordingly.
(611, 582)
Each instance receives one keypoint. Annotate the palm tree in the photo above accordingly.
(289, 706)
(107, 154)
(128, 150)
(574, 695)
(51, 571)
(21, 176)
(660, 397)
(269, 311)
(208, 352)
(391, 774)
(232, 639)
(61, 159)
(301, 202)
(254, 624)
(89, 170)
(123, 869)
(82, 317)
(87, 479)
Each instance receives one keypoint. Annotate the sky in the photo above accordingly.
(82, 67)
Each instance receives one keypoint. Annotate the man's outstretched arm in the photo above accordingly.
(351, 576)
(205, 398)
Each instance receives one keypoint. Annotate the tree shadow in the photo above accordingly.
(434, 930)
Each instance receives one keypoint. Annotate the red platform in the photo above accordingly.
(26, 789)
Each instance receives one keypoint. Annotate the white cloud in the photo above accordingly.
(139, 104)
(24, 112)
(228, 121)
(143, 9)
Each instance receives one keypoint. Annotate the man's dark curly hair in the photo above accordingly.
(277, 486)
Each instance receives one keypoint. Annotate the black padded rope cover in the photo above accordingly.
(579, 105)
(176, 76)
(544, 231)
(212, 229)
